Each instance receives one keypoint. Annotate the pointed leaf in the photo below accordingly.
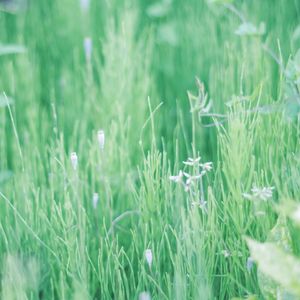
(281, 267)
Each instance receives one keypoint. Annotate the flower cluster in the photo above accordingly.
(257, 193)
(192, 180)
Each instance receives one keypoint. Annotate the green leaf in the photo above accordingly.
(277, 265)
(11, 49)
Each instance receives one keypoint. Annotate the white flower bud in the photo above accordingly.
(85, 5)
(144, 296)
(149, 257)
(95, 200)
(88, 48)
(74, 160)
(101, 139)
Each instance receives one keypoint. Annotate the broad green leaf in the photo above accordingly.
(279, 266)
(11, 49)
(291, 209)
(4, 101)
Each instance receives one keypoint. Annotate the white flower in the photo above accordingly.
(95, 200)
(149, 257)
(207, 166)
(101, 139)
(263, 193)
(144, 296)
(201, 204)
(192, 161)
(85, 5)
(191, 178)
(177, 178)
(88, 48)
(74, 160)
(226, 253)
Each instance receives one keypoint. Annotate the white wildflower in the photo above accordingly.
(193, 162)
(263, 193)
(74, 160)
(226, 253)
(95, 200)
(101, 139)
(149, 257)
(88, 48)
(206, 167)
(177, 178)
(144, 296)
(191, 178)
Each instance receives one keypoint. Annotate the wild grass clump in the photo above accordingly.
(149, 150)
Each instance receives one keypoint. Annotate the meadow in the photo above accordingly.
(149, 149)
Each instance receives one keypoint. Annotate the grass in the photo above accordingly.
(145, 56)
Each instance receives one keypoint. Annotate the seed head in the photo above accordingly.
(74, 160)
(101, 139)
(149, 257)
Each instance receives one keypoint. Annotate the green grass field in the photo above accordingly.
(106, 107)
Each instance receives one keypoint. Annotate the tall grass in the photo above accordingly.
(56, 243)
